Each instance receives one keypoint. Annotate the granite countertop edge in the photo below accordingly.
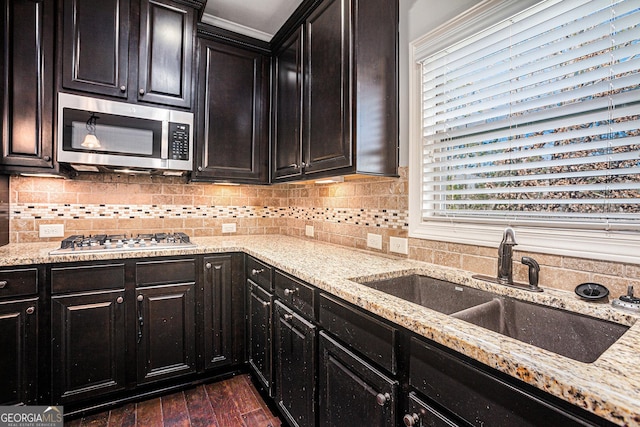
(608, 387)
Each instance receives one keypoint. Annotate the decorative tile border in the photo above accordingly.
(383, 218)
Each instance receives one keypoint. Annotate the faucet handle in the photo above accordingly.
(534, 270)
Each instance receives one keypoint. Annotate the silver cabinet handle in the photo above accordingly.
(293, 165)
(411, 420)
(208, 266)
(266, 304)
(30, 310)
(288, 292)
(140, 297)
(288, 317)
(3, 283)
(383, 399)
(255, 272)
(141, 91)
(119, 300)
(123, 88)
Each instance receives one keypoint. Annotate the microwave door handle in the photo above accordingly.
(164, 147)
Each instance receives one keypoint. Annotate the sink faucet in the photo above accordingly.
(505, 257)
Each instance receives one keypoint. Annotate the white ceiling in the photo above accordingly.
(260, 19)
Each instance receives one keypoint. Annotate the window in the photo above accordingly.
(532, 122)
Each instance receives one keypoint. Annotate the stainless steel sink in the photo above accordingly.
(569, 334)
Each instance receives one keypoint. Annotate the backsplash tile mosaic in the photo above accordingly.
(341, 213)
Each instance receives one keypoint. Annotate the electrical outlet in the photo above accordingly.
(51, 230)
(374, 240)
(399, 245)
(229, 228)
(308, 231)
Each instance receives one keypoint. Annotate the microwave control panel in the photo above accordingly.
(178, 141)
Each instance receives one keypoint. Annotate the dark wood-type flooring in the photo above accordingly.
(230, 403)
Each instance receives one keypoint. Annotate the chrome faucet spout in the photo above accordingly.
(505, 257)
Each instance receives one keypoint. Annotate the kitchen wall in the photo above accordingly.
(340, 213)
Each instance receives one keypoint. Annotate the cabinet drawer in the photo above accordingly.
(423, 415)
(23, 281)
(165, 272)
(295, 293)
(373, 338)
(87, 278)
(259, 273)
(474, 395)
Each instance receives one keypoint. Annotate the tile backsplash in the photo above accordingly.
(341, 213)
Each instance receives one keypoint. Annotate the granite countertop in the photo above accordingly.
(609, 387)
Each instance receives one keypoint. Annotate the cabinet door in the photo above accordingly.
(88, 345)
(233, 114)
(165, 331)
(287, 128)
(19, 355)
(295, 346)
(95, 46)
(351, 390)
(327, 138)
(218, 332)
(165, 56)
(259, 334)
(26, 87)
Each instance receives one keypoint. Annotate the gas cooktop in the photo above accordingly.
(121, 242)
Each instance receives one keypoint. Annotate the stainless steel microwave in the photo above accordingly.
(97, 133)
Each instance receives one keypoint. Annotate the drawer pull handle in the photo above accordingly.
(411, 420)
(3, 283)
(288, 317)
(288, 292)
(31, 310)
(383, 399)
(119, 300)
(255, 272)
(266, 304)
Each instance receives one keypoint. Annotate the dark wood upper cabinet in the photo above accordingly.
(349, 98)
(327, 100)
(27, 87)
(95, 46)
(233, 114)
(137, 50)
(287, 111)
(165, 53)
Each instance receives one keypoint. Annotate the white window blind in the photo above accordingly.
(536, 120)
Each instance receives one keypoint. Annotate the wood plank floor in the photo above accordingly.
(230, 403)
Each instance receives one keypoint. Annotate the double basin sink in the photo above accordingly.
(569, 334)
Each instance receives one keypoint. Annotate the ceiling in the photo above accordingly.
(260, 19)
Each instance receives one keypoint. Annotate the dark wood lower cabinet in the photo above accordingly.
(295, 349)
(19, 355)
(259, 334)
(165, 331)
(351, 391)
(88, 345)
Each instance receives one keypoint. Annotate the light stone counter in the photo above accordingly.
(609, 387)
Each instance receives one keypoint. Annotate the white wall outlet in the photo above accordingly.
(308, 230)
(51, 230)
(229, 228)
(399, 245)
(374, 240)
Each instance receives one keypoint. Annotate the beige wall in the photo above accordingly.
(340, 213)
